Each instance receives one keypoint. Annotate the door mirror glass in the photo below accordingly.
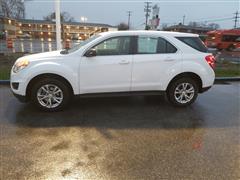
(91, 53)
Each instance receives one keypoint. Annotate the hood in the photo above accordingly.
(43, 56)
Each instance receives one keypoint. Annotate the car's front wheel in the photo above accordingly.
(182, 92)
(50, 94)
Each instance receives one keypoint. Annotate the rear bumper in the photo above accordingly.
(204, 89)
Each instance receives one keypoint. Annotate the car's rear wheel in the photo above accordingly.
(50, 94)
(183, 91)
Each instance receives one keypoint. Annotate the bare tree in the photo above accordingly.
(164, 25)
(194, 24)
(213, 26)
(12, 8)
(65, 17)
(122, 26)
(204, 24)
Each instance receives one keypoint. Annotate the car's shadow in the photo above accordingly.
(114, 112)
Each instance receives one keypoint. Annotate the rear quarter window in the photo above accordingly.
(165, 46)
(194, 42)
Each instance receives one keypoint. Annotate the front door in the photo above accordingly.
(110, 69)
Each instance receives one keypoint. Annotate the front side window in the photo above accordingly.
(114, 46)
(83, 43)
(147, 45)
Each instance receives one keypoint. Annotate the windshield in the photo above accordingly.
(83, 43)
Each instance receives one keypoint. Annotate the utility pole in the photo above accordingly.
(58, 24)
(236, 19)
(147, 10)
(129, 16)
(183, 20)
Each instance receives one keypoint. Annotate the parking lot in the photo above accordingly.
(123, 138)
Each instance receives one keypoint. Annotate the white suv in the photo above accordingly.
(123, 62)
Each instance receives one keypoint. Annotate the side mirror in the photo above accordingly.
(91, 53)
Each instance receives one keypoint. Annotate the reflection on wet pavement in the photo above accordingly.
(123, 138)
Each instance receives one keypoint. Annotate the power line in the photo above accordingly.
(198, 21)
(139, 23)
(215, 20)
(147, 10)
(213, 17)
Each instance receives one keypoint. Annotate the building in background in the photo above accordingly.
(46, 30)
(7, 27)
(188, 29)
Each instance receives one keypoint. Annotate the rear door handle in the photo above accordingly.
(124, 62)
(169, 59)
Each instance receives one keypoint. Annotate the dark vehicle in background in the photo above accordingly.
(223, 39)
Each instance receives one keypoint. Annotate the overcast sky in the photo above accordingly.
(113, 12)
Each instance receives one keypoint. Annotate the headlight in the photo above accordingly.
(19, 65)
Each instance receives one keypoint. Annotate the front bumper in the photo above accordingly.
(21, 98)
(18, 83)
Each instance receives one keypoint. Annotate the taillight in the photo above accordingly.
(210, 60)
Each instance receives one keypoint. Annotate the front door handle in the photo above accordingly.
(124, 62)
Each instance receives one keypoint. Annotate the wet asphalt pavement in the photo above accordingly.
(123, 138)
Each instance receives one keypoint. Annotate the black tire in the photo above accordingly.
(177, 84)
(65, 93)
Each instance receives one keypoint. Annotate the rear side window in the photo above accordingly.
(194, 42)
(154, 45)
(147, 45)
(165, 47)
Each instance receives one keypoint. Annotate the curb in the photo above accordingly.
(220, 79)
(217, 79)
(4, 82)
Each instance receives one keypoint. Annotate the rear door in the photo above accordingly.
(154, 56)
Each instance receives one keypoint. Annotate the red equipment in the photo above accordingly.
(223, 39)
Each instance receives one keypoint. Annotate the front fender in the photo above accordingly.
(54, 68)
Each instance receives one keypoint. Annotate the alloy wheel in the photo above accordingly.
(50, 96)
(184, 93)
